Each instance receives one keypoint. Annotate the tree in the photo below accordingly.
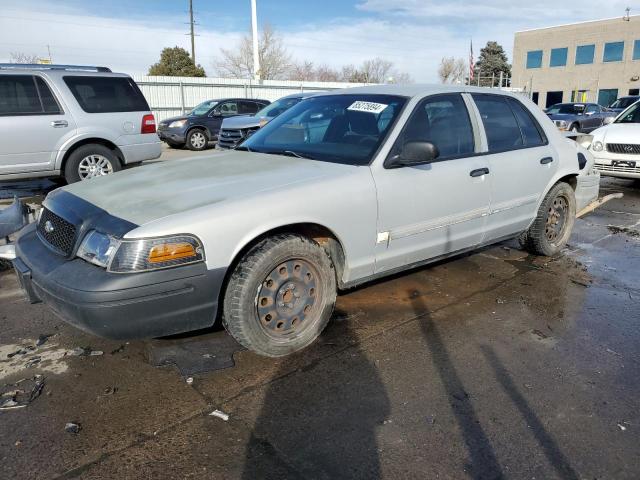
(21, 57)
(492, 61)
(275, 60)
(176, 62)
(452, 70)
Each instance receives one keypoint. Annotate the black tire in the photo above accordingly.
(255, 312)
(574, 127)
(552, 227)
(74, 172)
(195, 140)
(175, 144)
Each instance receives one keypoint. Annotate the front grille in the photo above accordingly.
(624, 148)
(610, 168)
(57, 232)
(228, 138)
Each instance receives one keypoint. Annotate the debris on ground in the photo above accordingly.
(189, 380)
(119, 349)
(629, 231)
(16, 398)
(42, 339)
(622, 427)
(220, 414)
(85, 352)
(72, 428)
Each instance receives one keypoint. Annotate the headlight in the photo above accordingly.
(562, 124)
(155, 253)
(177, 124)
(597, 146)
(98, 248)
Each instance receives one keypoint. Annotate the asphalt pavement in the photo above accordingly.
(495, 364)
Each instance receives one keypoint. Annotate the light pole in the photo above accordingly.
(254, 28)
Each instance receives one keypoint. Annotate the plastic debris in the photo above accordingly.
(18, 398)
(189, 380)
(72, 428)
(42, 339)
(85, 352)
(622, 427)
(220, 414)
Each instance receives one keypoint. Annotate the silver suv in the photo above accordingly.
(72, 121)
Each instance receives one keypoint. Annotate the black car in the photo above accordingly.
(202, 124)
(623, 103)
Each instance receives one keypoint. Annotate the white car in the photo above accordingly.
(616, 147)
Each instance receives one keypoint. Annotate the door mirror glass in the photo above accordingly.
(417, 153)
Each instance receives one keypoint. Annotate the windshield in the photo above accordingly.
(203, 108)
(624, 102)
(332, 128)
(276, 108)
(567, 108)
(630, 115)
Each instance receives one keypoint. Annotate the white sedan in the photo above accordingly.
(616, 147)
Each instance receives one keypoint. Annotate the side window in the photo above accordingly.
(591, 109)
(444, 121)
(18, 95)
(247, 108)
(531, 131)
(49, 103)
(503, 132)
(227, 109)
(106, 94)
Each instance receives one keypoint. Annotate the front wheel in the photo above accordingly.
(552, 227)
(280, 296)
(197, 140)
(574, 128)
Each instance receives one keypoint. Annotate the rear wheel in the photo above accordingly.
(90, 161)
(280, 296)
(552, 227)
(197, 139)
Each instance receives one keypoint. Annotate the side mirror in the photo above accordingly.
(417, 153)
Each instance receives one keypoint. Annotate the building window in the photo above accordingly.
(613, 52)
(534, 59)
(636, 50)
(558, 57)
(553, 98)
(634, 91)
(584, 54)
(535, 96)
(607, 96)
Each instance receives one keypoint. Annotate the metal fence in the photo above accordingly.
(171, 96)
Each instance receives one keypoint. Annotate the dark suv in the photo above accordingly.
(202, 124)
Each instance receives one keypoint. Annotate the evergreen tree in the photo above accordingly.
(176, 62)
(492, 61)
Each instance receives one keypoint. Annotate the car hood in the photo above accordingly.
(150, 192)
(243, 121)
(167, 121)
(562, 116)
(618, 133)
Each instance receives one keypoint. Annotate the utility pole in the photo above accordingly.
(254, 29)
(49, 50)
(193, 41)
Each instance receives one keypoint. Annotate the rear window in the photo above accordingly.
(107, 94)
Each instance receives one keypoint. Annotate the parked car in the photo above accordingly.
(616, 147)
(73, 121)
(578, 117)
(339, 190)
(202, 124)
(235, 130)
(623, 102)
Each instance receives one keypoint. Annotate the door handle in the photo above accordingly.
(59, 123)
(478, 172)
(546, 160)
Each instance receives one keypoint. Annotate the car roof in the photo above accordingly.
(417, 90)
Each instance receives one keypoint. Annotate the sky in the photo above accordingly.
(414, 34)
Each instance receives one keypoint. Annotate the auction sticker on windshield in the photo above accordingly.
(369, 107)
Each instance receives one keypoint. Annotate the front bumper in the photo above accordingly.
(617, 165)
(119, 306)
(174, 135)
(587, 189)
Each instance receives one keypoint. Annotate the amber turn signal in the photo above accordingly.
(166, 252)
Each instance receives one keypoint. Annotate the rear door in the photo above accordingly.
(431, 210)
(521, 160)
(33, 124)
(593, 116)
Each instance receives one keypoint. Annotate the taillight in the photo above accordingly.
(148, 124)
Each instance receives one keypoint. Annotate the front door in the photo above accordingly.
(435, 209)
(32, 124)
(521, 161)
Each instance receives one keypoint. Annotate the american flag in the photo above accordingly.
(472, 64)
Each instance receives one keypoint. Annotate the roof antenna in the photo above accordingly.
(626, 18)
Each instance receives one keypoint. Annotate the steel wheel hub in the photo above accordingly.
(94, 166)
(556, 219)
(287, 298)
(198, 140)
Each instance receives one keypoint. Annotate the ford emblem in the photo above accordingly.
(48, 226)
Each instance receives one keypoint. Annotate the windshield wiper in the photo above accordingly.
(291, 153)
